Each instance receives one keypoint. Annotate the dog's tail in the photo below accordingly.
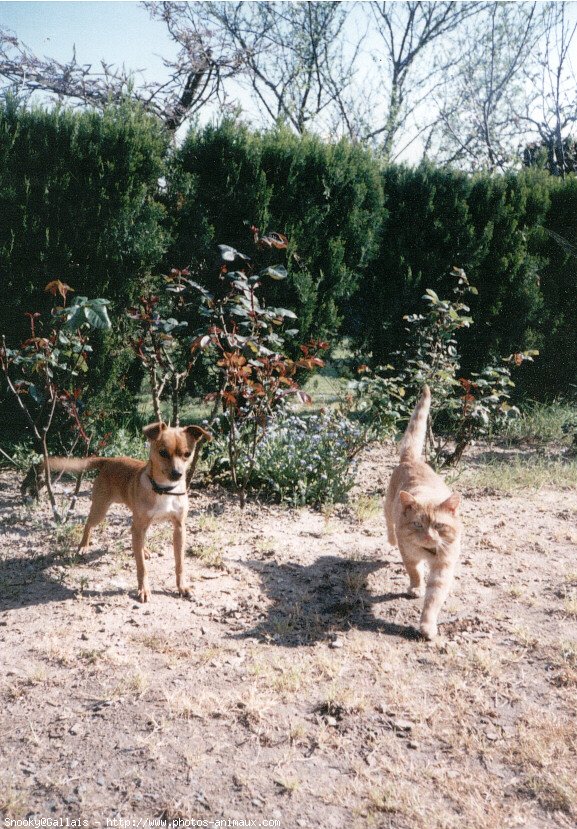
(413, 442)
(34, 480)
(76, 464)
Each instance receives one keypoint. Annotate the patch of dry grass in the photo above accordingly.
(210, 555)
(545, 755)
(163, 644)
(368, 508)
(12, 801)
(196, 702)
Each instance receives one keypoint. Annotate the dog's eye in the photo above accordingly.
(163, 453)
(187, 454)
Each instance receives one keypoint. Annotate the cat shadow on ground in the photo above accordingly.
(311, 603)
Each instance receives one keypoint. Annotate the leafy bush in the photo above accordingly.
(81, 199)
(555, 373)
(122, 441)
(427, 225)
(463, 407)
(490, 226)
(303, 459)
(245, 342)
(163, 350)
(46, 376)
(377, 400)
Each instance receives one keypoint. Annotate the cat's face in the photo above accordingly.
(427, 526)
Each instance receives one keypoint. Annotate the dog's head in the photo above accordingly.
(172, 449)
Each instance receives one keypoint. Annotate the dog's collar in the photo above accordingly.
(163, 490)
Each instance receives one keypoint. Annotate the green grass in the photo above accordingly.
(329, 384)
(554, 422)
(325, 389)
(192, 409)
(512, 475)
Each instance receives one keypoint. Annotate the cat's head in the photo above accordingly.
(431, 526)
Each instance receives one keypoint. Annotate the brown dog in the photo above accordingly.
(154, 490)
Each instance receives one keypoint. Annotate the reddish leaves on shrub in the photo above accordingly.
(57, 287)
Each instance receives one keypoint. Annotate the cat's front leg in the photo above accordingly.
(415, 567)
(438, 587)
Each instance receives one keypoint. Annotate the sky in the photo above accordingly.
(122, 33)
(119, 32)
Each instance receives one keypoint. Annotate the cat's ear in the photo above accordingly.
(452, 503)
(406, 499)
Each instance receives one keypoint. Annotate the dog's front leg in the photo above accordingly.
(179, 542)
(138, 534)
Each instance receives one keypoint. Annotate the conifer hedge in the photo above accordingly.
(327, 198)
(439, 218)
(80, 202)
(77, 203)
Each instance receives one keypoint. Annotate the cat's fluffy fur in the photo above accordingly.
(422, 517)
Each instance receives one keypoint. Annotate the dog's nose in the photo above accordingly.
(175, 475)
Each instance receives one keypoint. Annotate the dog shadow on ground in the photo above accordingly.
(315, 602)
(29, 578)
(26, 580)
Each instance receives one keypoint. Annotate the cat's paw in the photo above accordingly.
(416, 592)
(428, 630)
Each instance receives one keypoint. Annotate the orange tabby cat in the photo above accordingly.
(423, 520)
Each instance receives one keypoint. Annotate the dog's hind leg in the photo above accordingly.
(98, 510)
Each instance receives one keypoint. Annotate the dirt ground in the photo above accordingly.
(293, 690)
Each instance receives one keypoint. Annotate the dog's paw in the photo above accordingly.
(146, 552)
(144, 594)
(428, 630)
(185, 592)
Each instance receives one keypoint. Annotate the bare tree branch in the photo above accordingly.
(478, 126)
(195, 75)
(465, 81)
(294, 62)
(406, 69)
(550, 111)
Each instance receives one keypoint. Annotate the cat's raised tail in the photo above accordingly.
(413, 442)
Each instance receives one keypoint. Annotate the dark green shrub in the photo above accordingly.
(556, 371)
(463, 408)
(77, 201)
(506, 213)
(46, 377)
(326, 198)
(217, 190)
(487, 225)
(427, 225)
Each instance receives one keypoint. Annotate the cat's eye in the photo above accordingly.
(440, 527)
(163, 453)
(418, 525)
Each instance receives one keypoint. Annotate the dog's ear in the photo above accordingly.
(195, 433)
(153, 430)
